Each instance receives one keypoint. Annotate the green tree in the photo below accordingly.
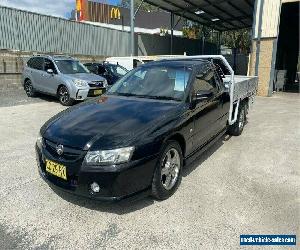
(237, 39)
(234, 39)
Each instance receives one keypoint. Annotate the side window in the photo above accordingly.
(91, 67)
(205, 81)
(101, 70)
(36, 63)
(30, 62)
(48, 64)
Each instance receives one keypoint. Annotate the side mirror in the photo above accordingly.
(202, 95)
(50, 71)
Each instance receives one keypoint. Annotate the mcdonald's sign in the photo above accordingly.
(115, 13)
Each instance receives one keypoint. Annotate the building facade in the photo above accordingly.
(93, 11)
(275, 46)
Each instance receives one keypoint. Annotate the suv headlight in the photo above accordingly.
(105, 84)
(80, 83)
(104, 157)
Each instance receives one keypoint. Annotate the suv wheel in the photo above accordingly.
(167, 176)
(30, 92)
(64, 96)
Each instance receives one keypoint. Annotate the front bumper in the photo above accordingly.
(82, 94)
(116, 181)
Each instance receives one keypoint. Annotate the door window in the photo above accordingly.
(36, 63)
(48, 64)
(205, 81)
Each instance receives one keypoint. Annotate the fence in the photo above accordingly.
(26, 31)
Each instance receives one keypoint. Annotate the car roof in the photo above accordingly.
(56, 57)
(178, 62)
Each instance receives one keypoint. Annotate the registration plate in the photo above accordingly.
(56, 169)
(98, 92)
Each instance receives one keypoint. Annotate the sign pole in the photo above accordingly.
(132, 27)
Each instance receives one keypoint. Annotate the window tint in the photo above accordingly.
(117, 69)
(205, 80)
(101, 69)
(36, 63)
(91, 67)
(48, 64)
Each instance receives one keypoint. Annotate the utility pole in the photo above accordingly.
(132, 27)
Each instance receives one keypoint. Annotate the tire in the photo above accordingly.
(167, 177)
(29, 90)
(237, 128)
(64, 96)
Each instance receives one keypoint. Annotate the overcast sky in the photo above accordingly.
(61, 8)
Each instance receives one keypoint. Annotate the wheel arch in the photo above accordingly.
(26, 79)
(180, 139)
(58, 87)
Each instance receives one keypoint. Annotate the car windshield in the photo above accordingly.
(70, 67)
(157, 82)
(117, 69)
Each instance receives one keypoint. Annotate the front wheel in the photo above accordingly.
(167, 176)
(237, 128)
(64, 96)
(28, 87)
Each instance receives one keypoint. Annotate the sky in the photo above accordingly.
(60, 8)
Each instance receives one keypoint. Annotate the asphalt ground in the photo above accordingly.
(243, 185)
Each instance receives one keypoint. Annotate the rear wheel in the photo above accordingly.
(237, 128)
(167, 176)
(64, 96)
(30, 92)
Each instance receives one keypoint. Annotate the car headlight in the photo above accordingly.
(40, 141)
(80, 83)
(104, 157)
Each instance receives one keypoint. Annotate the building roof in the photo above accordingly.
(221, 15)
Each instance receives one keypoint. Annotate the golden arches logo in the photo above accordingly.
(115, 13)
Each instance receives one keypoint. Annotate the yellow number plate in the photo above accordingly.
(98, 92)
(56, 169)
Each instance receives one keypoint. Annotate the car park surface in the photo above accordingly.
(247, 184)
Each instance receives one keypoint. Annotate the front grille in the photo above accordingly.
(96, 84)
(69, 154)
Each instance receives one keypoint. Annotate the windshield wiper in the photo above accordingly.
(163, 98)
(122, 94)
(147, 96)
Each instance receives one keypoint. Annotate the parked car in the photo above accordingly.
(139, 135)
(61, 76)
(111, 72)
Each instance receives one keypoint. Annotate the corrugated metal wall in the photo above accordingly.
(21, 30)
(26, 31)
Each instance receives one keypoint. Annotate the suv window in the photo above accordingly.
(36, 63)
(205, 80)
(48, 64)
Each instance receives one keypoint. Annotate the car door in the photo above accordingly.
(51, 81)
(206, 112)
(36, 69)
